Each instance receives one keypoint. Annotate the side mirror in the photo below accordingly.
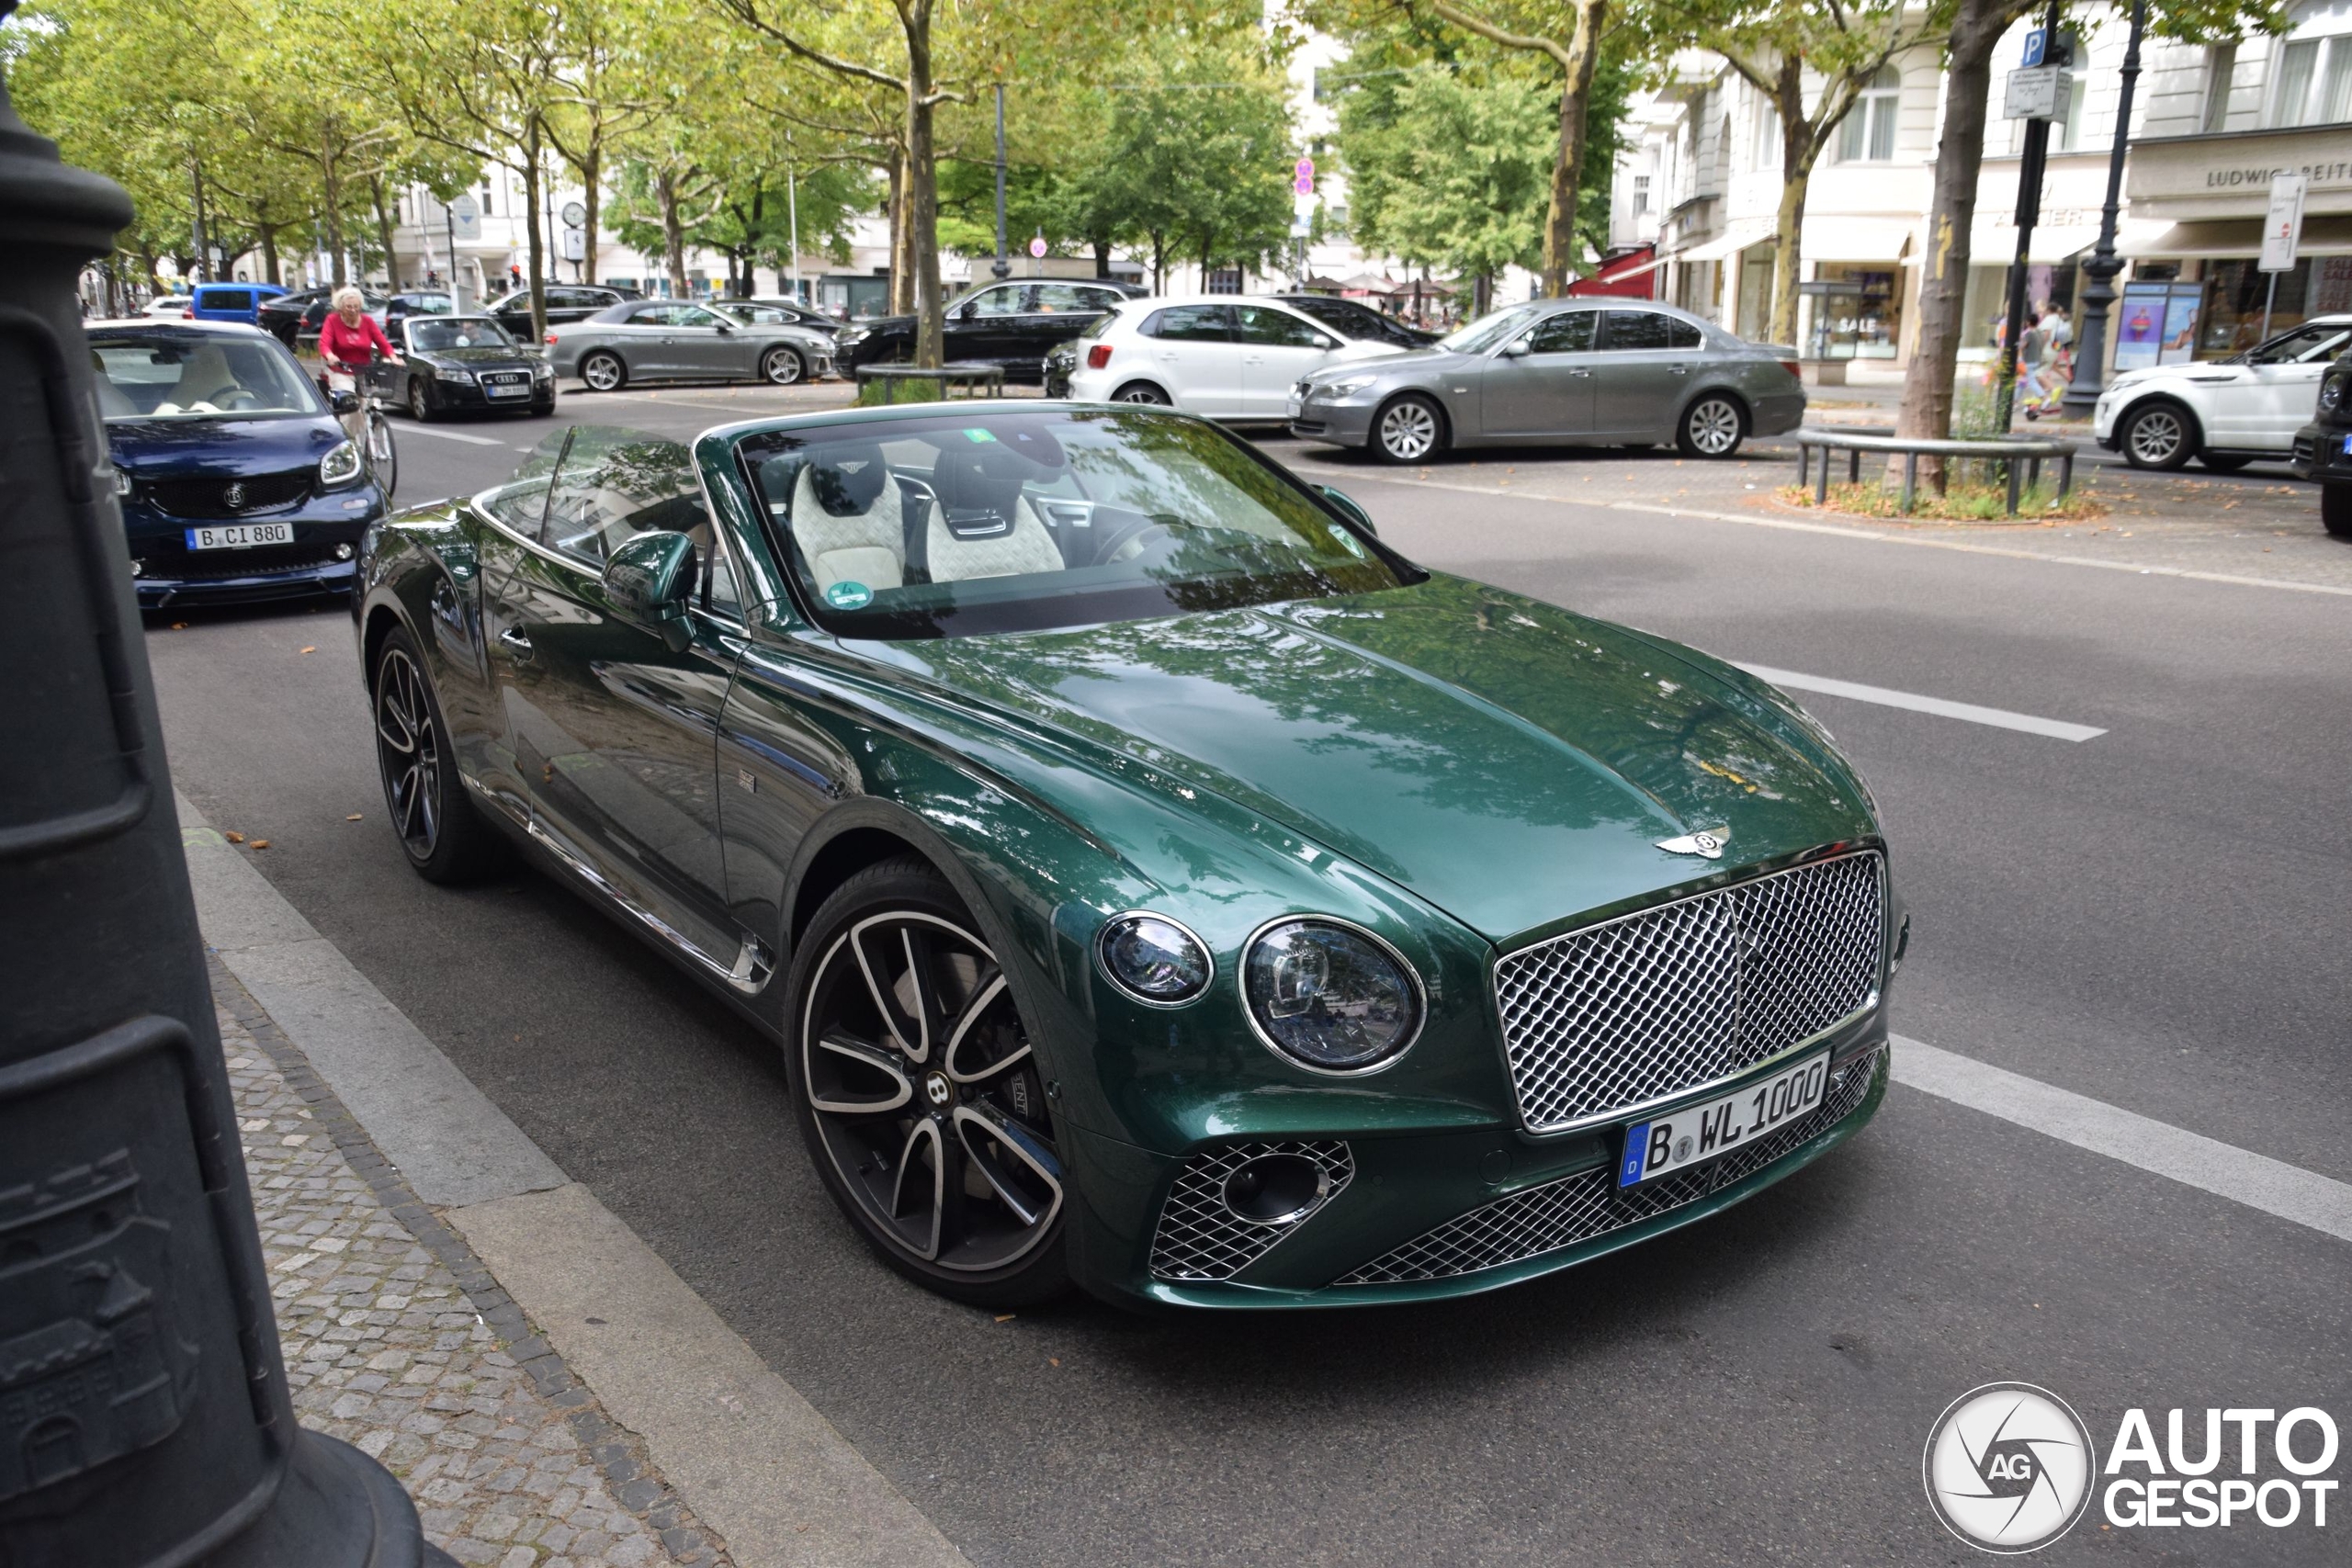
(1346, 504)
(343, 402)
(1518, 348)
(647, 582)
(968, 312)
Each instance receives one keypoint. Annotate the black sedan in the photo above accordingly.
(462, 362)
(770, 310)
(1354, 319)
(566, 302)
(1012, 324)
(282, 316)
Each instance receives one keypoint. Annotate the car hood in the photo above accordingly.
(1510, 762)
(474, 358)
(162, 448)
(1404, 362)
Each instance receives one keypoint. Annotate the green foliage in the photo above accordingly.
(1451, 174)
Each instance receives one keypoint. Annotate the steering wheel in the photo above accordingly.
(1132, 535)
(237, 398)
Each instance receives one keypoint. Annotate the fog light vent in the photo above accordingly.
(343, 551)
(1230, 1205)
(138, 567)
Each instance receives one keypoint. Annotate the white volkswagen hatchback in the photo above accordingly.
(1233, 359)
(2224, 413)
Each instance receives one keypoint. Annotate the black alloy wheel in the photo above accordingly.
(1140, 392)
(420, 400)
(1712, 427)
(782, 366)
(923, 1106)
(603, 372)
(441, 832)
(2159, 436)
(2224, 462)
(1409, 429)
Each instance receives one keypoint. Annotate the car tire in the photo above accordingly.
(1141, 392)
(542, 407)
(1409, 429)
(850, 1070)
(444, 834)
(602, 371)
(783, 367)
(2223, 462)
(420, 401)
(2336, 509)
(2159, 435)
(1713, 427)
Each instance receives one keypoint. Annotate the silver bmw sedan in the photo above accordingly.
(677, 340)
(1559, 372)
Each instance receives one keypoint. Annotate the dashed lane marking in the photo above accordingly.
(1999, 718)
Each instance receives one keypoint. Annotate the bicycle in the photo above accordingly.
(367, 425)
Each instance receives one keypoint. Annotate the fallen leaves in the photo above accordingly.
(353, 818)
(235, 837)
(310, 650)
(261, 843)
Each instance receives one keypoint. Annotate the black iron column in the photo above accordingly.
(1002, 266)
(2029, 213)
(2099, 296)
(144, 1421)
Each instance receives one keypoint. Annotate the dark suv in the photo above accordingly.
(2323, 448)
(566, 302)
(1014, 324)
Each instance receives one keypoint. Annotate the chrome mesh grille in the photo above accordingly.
(1199, 1239)
(1577, 1208)
(1621, 1013)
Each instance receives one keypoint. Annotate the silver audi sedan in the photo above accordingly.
(677, 340)
(1559, 372)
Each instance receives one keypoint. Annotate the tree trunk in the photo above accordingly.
(592, 196)
(331, 186)
(1800, 147)
(1101, 258)
(1568, 170)
(922, 187)
(536, 231)
(903, 293)
(269, 252)
(1925, 411)
(674, 232)
(384, 232)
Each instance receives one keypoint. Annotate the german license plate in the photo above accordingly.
(508, 388)
(240, 535)
(2347, 446)
(1697, 1134)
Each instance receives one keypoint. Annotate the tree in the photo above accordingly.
(1452, 172)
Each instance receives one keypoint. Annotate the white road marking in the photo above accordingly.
(2288, 1192)
(1999, 718)
(1865, 535)
(414, 429)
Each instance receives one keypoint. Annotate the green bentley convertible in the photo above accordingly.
(1154, 881)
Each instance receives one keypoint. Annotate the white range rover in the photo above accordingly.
(2224, 413)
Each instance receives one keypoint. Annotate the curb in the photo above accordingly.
(615, 1452)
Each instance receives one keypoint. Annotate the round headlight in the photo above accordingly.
(1330, 997)
(340, 466)
(2330, 392)
(1154, 960)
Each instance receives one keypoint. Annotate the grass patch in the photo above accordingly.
(1964, 502)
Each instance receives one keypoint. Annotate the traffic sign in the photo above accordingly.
(465, 217)
(2282, 230)
(1303, 177)
(1038, 247)
(2039, 92)
(2037, 47)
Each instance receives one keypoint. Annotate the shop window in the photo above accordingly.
(2315, 85)
(1867, 133)
(2236, 294)
(1862, 318)
(2221, 74)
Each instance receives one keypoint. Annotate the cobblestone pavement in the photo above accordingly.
(386, 1348)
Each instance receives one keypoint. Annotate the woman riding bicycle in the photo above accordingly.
(349, 341)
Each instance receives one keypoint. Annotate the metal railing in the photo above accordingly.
(2022, 457)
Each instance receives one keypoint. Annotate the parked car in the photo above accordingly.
(417, 303)
(566, 302)
(2224, 413)
(281, 316)
(234, 479)
(315, 315)
(1061, 364)
(1013, 325)
(2322, 450)
(451, 363)
(1354, 318)
(785, 311)
(1153, 881)
(1559, 372)
(669, 339)
(230, 302)
(168, 306)
(1238, 359)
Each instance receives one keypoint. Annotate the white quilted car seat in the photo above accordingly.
(849, 516)
(982, 525)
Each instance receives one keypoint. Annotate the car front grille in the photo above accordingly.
(1199, 1239)
(1603, 1020)
(506, 382)
(259, 561)
(1579, 1208)
(209, 498)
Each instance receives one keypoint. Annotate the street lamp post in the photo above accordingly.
(1003, 267)
(146, 1417)
(2099, 296)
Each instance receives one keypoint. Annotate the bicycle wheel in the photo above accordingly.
(382, 455)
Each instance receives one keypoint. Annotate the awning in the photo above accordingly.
(1738, 237)
(1996, 244)
(1622, 274)
(1830, 238)
(2324, 234)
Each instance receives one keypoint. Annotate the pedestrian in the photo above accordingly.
(2032, 344)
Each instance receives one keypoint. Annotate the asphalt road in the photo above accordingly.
(2154, 918)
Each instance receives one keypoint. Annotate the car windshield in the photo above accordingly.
(2307, 345)
(996, 520)
(185, 376)
(1489, 330)
(429, 305)
(468, 331)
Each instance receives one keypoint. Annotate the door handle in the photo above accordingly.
(1679, 369)
(1587, 373)
(518, 639)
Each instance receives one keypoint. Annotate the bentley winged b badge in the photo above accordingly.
(1707, 842)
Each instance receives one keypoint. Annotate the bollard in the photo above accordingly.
(144, 1418)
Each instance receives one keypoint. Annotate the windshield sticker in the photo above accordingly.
(847, 595)
(979, 436)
